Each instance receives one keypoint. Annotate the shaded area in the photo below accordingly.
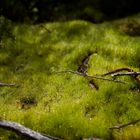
(53, 10)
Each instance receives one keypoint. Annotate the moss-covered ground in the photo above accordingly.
(63, 104)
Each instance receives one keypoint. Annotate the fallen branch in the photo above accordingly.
(23, 131)
(124, 125)
(117, 70)
(126, 74)
(5, 84)
(130, 72)
(107, 79)
(74, 72)
(91, 77)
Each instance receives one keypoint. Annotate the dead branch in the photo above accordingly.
(91, 77)
(124, 125)
(131, 73)
(6, 84)
(24, 131)
(107, 79)
(73, 72)
(117, 70)
(126, 74)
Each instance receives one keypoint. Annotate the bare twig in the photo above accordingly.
(117, 70)
(107, 79)
(5, 84)
(91, 77)
(74, 72)
(126, 74)
(130, 72)
(124, 125)
(24, 131)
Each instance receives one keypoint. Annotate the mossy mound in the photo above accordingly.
(63, 104)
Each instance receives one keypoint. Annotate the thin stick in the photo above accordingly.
(107, 79)
(130, 72)
(124, 125)
(74, 72)
(89, 76)
(117, 70)
(126, 74)
(5, 84)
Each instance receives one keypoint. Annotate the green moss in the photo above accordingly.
(63, 104)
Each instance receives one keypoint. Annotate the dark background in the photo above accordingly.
(96, 11)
